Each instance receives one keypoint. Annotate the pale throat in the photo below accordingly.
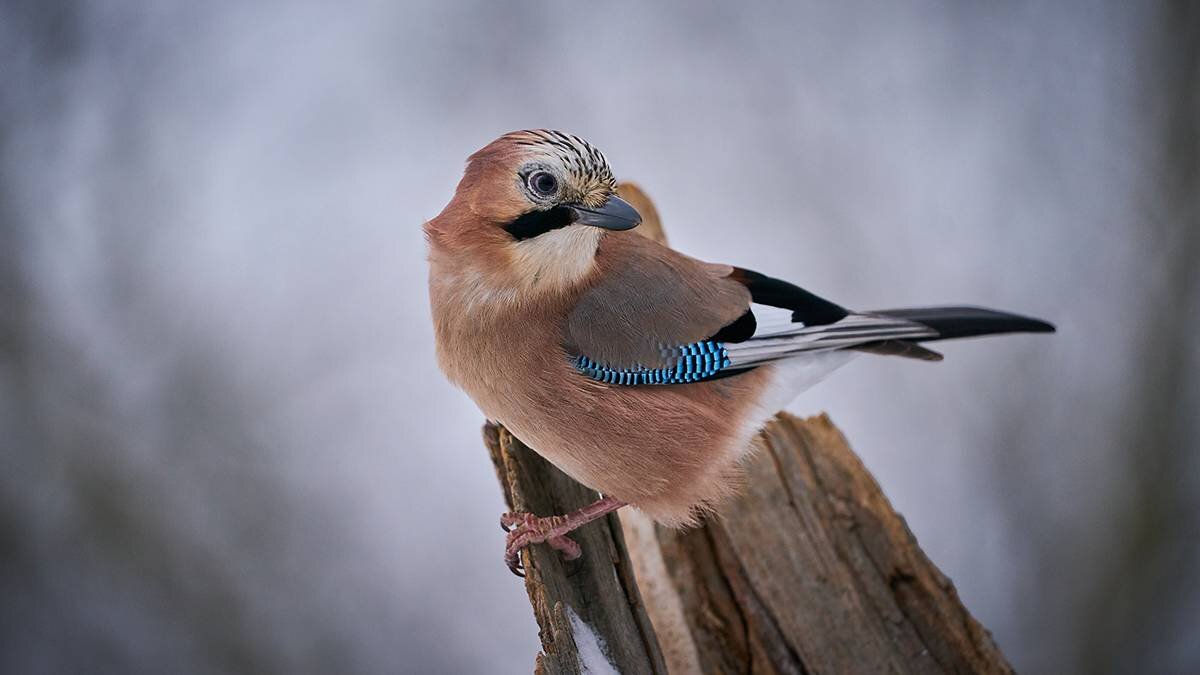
(558, 259)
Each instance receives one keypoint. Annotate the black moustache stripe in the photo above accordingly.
(534, 223)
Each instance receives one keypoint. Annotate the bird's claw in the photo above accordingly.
(514, 564)
(525, 529)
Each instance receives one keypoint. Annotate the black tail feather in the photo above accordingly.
(960, 322)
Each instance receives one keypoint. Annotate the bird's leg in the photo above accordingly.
(525, 529)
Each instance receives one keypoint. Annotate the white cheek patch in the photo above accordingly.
(558, 258)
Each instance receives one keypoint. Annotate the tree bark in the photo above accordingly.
(808, 571)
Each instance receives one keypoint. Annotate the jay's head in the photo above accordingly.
(534, 206)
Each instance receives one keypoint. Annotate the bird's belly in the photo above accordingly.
(667, 450)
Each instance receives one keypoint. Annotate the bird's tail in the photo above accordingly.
(894, 332)
(949, 323)
(959, 322)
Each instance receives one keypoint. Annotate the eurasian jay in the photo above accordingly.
(641, 372)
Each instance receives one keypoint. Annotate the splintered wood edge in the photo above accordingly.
(559, 653)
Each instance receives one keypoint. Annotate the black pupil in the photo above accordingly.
(544, 183)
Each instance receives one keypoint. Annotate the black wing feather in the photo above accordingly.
(807, 308)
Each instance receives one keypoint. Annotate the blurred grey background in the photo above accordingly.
(226, 446)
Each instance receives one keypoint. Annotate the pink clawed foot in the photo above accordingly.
(525, 529)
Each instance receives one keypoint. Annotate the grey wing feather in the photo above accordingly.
(650, 297)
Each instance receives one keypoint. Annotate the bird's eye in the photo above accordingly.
(543, 183)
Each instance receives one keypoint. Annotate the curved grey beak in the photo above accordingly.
(615, 214)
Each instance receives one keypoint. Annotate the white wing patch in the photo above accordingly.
(773, 321)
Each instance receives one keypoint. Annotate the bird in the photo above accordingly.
(641, 372)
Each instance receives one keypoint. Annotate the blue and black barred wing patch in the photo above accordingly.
(688, 363)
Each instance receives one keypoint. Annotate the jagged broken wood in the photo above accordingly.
(809, 571)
